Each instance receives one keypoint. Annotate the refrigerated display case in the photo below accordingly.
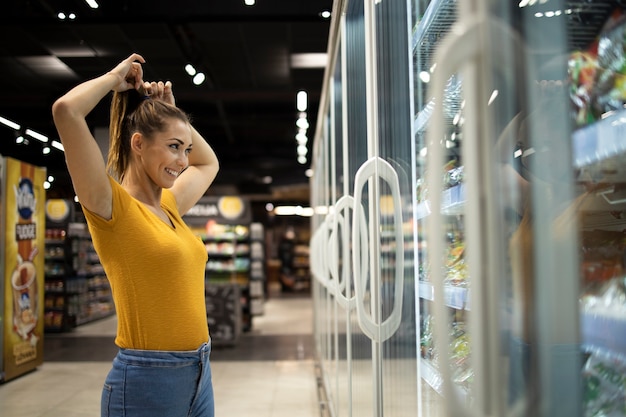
(468, 241)
(22, 232)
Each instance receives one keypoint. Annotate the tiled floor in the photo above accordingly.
(270, 372)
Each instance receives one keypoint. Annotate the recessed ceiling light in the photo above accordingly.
(198, 78)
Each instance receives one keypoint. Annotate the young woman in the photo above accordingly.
(158, 167)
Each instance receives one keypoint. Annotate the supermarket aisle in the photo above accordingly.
(269, 373)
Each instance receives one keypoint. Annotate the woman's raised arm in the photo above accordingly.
(84, 159)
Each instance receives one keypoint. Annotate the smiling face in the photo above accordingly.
(166, 154)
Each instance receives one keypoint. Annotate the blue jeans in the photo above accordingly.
(152, 383)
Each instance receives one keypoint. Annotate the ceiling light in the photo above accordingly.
(309, 60)
(249, 2)
(198, 78)
(267, 179)
(92, 3)
(20, 139)
(190, 70)
(61, 15)
(325, 14)
(302, 150)
(58, 145)
(36, 135)
(46, 185)
(301, 138)
(301, 101)
(302, 160)
(72, 16)
(9, 123)
(302, 123)
(46, 150)
(308, 173)
(50, 178)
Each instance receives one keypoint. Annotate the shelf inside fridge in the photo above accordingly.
(604, 329)
(600, 141)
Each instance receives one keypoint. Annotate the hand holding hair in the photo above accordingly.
(129, 72)
(160, 91)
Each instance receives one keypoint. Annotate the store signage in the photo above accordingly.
(224, 209)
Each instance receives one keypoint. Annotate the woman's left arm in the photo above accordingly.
(203, 164)
(199, 175)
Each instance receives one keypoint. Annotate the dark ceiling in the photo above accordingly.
(246, 107)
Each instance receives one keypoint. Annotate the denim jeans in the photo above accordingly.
(148, 383)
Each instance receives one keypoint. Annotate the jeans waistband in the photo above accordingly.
(201, 353)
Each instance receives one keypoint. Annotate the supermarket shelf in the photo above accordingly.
(452, 202)
(604, 331)
(455, 297)
(600, 141)
(432, 377)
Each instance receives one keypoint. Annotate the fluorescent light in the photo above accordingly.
(36, 135)
(58, 145)
(309, 60)
(92, 3)
(301, 101)
(293, 211)
(9, 123)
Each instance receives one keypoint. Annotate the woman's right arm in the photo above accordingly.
(84, 159)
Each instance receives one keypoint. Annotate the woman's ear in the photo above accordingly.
(136, 142)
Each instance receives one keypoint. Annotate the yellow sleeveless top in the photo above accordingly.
(156, 273)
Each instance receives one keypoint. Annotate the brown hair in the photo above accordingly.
(130, 113)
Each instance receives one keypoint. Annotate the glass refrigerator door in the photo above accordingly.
(519, 114)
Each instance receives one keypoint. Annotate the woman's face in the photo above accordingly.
(166, 155)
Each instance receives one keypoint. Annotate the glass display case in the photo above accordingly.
(468, 246)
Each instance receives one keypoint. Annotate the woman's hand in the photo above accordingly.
(129, 72)
(160, 91)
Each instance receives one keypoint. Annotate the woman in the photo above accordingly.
(158, 167)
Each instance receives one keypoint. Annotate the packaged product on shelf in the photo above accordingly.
(602, 258)
(597, 75)
(604, 376)
(609, 300)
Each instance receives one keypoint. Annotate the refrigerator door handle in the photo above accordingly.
(323, 260)
(341, 280)
(376, 331)
(458, 48)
